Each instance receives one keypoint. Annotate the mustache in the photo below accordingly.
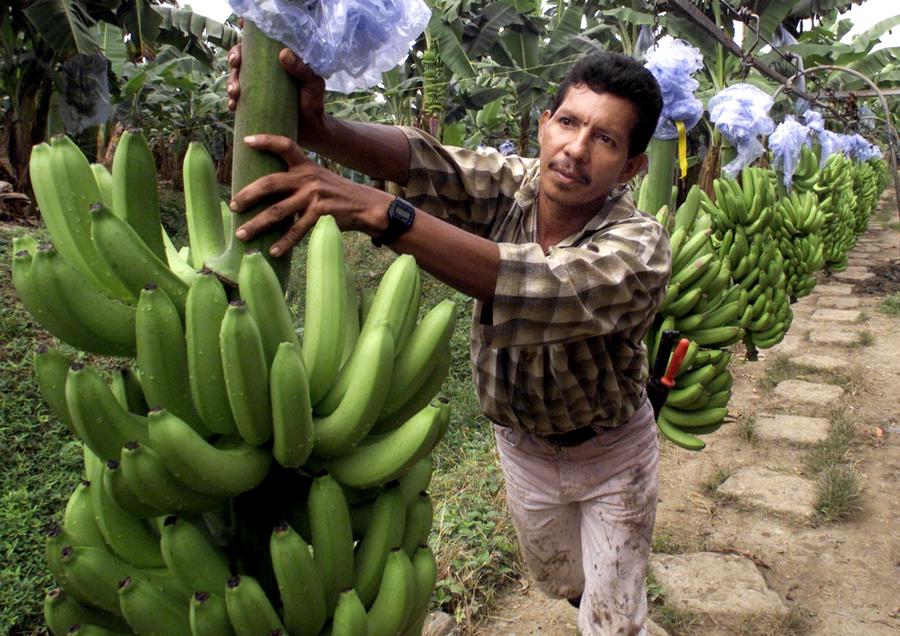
(571, 168)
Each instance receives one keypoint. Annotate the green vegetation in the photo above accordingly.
(890, 305)
(839, 494)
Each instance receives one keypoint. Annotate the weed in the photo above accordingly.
(779, 369)
(796, 621)
(834, 449)
(839, 495)
(664, 542)
(890, 305)
(674, 620)
(710, 487)
(861, 318)
(747, 429)
(866, 338)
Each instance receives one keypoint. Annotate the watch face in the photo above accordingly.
(403, 214)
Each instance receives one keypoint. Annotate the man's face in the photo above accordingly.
(584, 149)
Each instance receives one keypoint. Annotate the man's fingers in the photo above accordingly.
(270, 217)
(284, 147)
(263, 188)
(294, 235)
(234, 56)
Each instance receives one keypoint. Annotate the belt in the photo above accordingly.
(572, 438)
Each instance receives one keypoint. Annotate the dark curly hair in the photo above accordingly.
(625, 77)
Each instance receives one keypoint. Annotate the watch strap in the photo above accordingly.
(401, 214)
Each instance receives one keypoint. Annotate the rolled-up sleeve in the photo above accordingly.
(609, 284)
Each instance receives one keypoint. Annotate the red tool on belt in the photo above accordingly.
(662, 376)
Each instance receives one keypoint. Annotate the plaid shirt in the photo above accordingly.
(560, 347)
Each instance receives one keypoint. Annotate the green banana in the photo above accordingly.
(369, 376)
(62, 611)
(419, 518)
(690, 250)
(95, 575)
(162, 356)
(688, 419)
(127, 389)
(693, 270)
(105, 324)
(677, 239)
(687, 211)
(158, 488)
(54, 542)
(384, 533)
(65, 188)
(685, 303)
(351, 317)
(98, 417)
(299, 582)
(323, 331)
(151, 612)
(332, 537)
(678, 436)
(350, 618)
(204, 467)
(246, 373)
(179, 261)
(191, 556)
(202, 205)
(292, 419)
(103, 179)
(425, 574)
(128, 537)
(716, 336)
(383, 458)
(79, 522)
(420, 399)
(208, 615)
(131, 260)
(720, 399)
(51, 369)
(47, 315)
(422, 353)
(261, 290)
(726, 313)
(204, 310)
(249, 610)
(135, 197)
(411, 315)
(685, 397)
(115, 485)
(392, 608)
(417, 479)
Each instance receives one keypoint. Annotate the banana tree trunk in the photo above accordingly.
(268, 105)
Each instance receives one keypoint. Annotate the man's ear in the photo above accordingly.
(545, 117)
(633, 166)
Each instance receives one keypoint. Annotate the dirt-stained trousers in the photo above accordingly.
(584, 518)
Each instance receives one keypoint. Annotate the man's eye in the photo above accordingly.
(604, 138)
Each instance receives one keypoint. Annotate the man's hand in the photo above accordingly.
(305, 192)
(312, 127)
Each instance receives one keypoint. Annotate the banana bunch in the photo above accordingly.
(798, 223)
(704, 305)
(806, 174)
(867, 190)
(838, 202)
(223, 406)
(699, 402)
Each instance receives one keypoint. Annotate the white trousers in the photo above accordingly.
(584, 518)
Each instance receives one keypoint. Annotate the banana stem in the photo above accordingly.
(268, 105)
(656, 191)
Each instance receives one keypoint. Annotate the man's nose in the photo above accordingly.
(577, 148)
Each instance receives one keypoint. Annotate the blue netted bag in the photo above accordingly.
(741, 113)
(348, 42)
(858, 147)
(672, 62)
(786, 142)
(829, 142)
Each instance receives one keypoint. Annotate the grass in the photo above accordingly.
(890, 305)
(664, 542)
(838, 490)
(795, 622)
(781, 368)
(474, 542)
(675, 621)
(866, 338)
(747, 429)
(710, 486)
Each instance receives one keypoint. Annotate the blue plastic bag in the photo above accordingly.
(859, 148)
(671, 62)
(829, 142)
(786, 142)
(348, 42)
(741, 113)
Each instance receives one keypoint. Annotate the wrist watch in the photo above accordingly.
(401, 215)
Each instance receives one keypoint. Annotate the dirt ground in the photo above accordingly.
(840, 578)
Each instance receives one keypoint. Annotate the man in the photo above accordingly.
(566, 275)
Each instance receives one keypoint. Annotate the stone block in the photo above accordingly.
(803, 392)
(837, 315)
(796, 429)
(772, 491)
